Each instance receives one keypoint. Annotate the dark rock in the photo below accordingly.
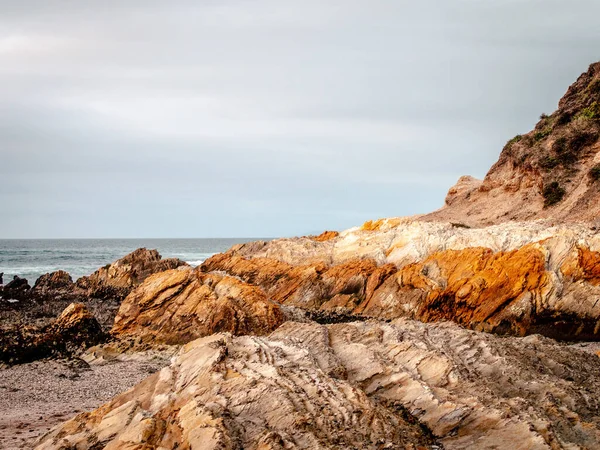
(75, 330)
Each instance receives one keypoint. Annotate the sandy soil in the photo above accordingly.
(34, 397)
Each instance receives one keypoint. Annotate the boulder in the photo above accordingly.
(16, 289)
(116, 280)
(180, 305)
(73, 331)
(59, 280)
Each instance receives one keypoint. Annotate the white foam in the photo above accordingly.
(196, 263)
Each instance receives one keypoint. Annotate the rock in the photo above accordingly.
(59, 280)
(552, 172)
(16, 289)
(56, 286)
(325, 236)
(116, 280)
(73, 331)
(517, 278)
(357, 385)
(177, 306)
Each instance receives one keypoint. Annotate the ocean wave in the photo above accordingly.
(196, 263)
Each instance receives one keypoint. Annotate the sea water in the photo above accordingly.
(30, 258)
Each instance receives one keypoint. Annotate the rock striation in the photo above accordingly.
(368, 385)
(518, 278)
(116, 280)
(178, 306)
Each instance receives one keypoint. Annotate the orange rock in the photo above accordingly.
(376, 225)
(310, 286)
(325, 236)
(583, 266)
(180, 305)
(116, 280)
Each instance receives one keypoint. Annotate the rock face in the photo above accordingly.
(551, 172)
(74, 330)
(177, 306)
(355, 386)
(116, 280)
(519, 278)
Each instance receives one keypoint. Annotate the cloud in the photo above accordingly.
(236, 118)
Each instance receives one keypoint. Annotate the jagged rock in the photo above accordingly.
(356, 386)
(17, 289)
(59, 280)
(56, 286)
(180, 305)
(551, 172)
(73, 331)
(116, 280)
(518, 278)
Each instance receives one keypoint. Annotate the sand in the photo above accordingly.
(37, 396)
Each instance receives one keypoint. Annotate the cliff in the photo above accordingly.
(552, 172)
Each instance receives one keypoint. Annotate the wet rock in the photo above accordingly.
(16, 289)
(73, 331)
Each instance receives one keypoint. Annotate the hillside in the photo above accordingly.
(552, 172)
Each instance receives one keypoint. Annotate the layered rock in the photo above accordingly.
(551, 172)
(116, 280)
(180, 305)
(518, 278)
(73, 331)
(359, 385)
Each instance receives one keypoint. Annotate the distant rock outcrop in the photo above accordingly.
(73, 331)
(178, 306)
(16, 289)
(116, 280)
(355, 386)
(552, 172)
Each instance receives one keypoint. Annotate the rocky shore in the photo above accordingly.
(474, 327)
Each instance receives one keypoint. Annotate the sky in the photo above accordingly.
(266, 118)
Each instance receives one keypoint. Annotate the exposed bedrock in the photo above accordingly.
(517, 278)
(177, 306)
(367, 385)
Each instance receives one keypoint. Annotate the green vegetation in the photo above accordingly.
(563, 119)
(595, 172)
(539, 135)
(594, 87)
(543, 116)
(592, 112)
(553, 194)
(514, 140)
(549, 162)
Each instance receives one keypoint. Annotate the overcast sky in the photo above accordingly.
(265, 118)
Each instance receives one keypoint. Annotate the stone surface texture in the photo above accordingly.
(355, 386)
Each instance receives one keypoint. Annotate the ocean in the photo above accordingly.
(30, 258)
